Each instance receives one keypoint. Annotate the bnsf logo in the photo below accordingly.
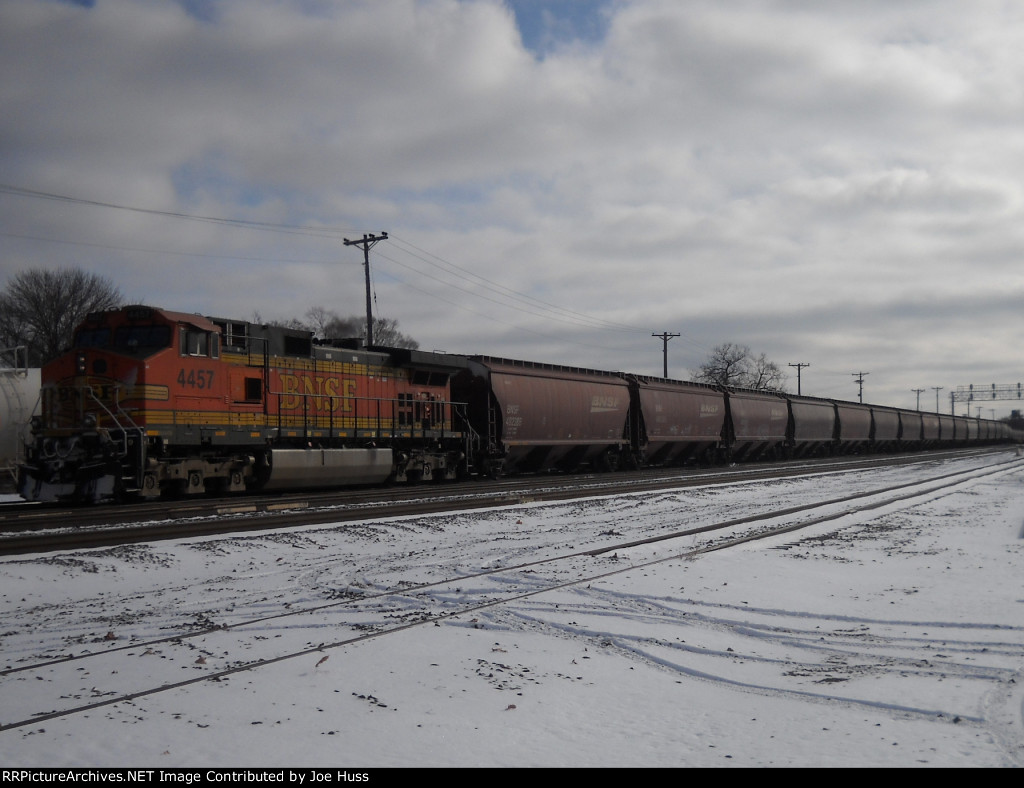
(103, 389)
(325, 393)
(603, 403)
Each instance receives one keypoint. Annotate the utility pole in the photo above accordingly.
(665, 337)
(918, 392)
(367, 242)
(860, 382)
(937, 389)
(798, 368)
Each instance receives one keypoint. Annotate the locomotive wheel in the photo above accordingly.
(150, 486)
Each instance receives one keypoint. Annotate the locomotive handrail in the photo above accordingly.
(124, 430)
(416, 426)
(113, 416)
(16, 352)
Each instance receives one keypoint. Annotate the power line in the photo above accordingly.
(510, 298)
(566, 316)
(272, 226)
(143, 250)
(507, 292)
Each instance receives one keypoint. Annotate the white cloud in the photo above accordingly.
(762, 171)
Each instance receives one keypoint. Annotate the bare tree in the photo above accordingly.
(40, 309)
(325, 324)
(735, 365)
(766, 375)
(386, 334)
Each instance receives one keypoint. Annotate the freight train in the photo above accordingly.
(149, 402)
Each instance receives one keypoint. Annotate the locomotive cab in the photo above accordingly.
(94, 433)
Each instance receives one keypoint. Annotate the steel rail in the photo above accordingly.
(904, 492)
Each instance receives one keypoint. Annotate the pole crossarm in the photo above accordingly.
(974, 393)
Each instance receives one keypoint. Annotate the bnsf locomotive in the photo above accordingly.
(150, 402)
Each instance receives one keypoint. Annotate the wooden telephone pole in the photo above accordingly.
(799, 368)
(366, 243)
(665, 337)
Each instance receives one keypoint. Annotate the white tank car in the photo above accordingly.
(19, 401)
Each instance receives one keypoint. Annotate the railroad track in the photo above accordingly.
(113, 666)
(32, 528)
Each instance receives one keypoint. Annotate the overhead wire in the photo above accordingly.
(529, 303)
(247, 223)
(142, 250)
(491, 317)
(506, 296)
(544, 306)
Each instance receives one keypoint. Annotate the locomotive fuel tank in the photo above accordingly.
(317, 467)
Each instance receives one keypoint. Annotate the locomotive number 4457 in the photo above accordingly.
(196, 378)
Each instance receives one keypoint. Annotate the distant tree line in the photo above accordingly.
(39, 310)
(328, 325)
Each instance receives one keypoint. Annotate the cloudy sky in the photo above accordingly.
(836, 184)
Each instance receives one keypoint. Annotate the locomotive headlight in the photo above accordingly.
(36, 423)
(80, 364)
(89, 422)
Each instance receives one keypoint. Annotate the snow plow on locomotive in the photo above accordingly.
(150, 402)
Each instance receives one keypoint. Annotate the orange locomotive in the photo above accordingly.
(149, 402)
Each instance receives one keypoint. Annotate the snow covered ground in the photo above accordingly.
(894, 638)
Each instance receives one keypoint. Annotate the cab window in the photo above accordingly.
(199, 343)
(142, 339)
(93, 337)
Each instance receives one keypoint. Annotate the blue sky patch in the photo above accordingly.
(545, 25)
